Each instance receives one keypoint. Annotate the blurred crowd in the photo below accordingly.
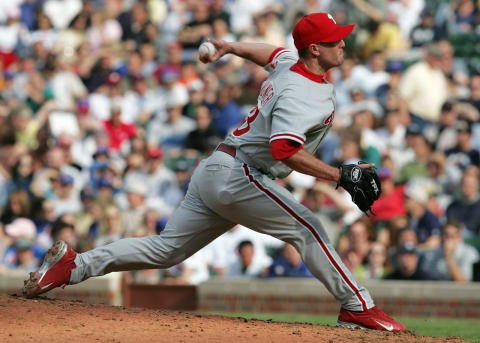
(105, 111)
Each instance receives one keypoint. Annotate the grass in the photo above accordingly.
(468, 329)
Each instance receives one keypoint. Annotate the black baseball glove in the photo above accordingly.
(363, 185)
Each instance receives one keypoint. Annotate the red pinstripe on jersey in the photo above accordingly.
(312, 230)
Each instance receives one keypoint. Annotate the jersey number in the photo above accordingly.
(245, 126)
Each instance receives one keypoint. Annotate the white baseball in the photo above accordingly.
(206, 48)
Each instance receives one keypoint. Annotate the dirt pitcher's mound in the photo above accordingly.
(48, 320)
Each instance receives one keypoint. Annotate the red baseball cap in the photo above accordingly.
(318, 27)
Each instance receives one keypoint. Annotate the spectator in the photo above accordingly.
(226, 113)
(392, 136)
(134, 25)
(133, 216)
(204, 138)
(18, 206)
(466, 208)
(198, 28)
(111, 228)
(21, 231)
(424, 87)
(407, 262)
(163, 190)
(66, 198)
(392, 200)
(374, 269)
(417, 167)
(25, 256)
(118, 131)
(463, 154)
(172, 132)
(444, 135)
(65, 231)
(475, 91)
(289, 264)
(425, 32)
(453, 260)
(422, 220)
(67, 87)
(248, 264)
(354, 250)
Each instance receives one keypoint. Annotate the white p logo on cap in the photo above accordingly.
(330, 17)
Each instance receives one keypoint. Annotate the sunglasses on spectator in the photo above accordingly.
(329, 44)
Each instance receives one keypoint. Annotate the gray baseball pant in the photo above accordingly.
(225, 191)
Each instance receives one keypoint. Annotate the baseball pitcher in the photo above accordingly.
(235, 185)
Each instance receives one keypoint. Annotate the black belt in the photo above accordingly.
(228, 149)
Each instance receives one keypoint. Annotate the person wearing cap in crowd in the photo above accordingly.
(25, 256)
(196, 90)
(98, 167)
(424, 87)
(463, 154)
(392, 201)
(394, 68)
(66, 198)
(465, 208)
(86, 217)
(118, 132)
(163, 190)
(425, 31)
(225, 189)
(453, 260)
(421, 219)
(132, 217)
(444, 135)
(22, 233)
(171, 133)
(407, 262)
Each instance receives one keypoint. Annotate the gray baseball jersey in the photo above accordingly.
(290, 106)
(226, 190)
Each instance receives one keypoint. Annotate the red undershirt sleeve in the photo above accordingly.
(283, 148)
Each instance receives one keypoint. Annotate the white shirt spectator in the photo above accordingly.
(231, 239)
(407, 14)
(11, 35)
(47, 37)
(61, 12)
(369, 81)
(70, 205)
(67, 88)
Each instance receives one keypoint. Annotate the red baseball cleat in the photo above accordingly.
(373, 318)
(54, 272)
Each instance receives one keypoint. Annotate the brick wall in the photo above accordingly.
(442, 299)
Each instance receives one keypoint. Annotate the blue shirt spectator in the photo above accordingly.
(289, 264)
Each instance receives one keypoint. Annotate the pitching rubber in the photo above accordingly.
(54, 254)
(350, 325)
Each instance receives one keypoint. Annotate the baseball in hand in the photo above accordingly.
(206, 48)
